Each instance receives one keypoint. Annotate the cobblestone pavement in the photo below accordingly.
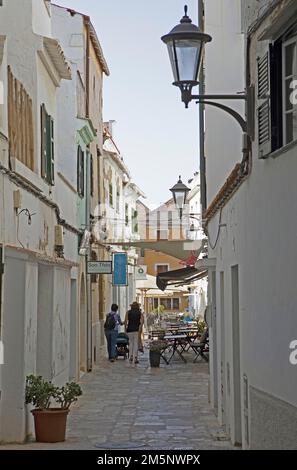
(126, 407)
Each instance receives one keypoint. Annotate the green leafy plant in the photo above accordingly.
(202, 327)
(157, 345)
(68, 394)
(40, 393)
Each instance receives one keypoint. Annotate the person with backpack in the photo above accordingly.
(111, 329)
(134, 324)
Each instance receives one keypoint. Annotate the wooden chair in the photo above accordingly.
(201, 348)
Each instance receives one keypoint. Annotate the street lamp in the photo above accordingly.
(180, 192)
(185, 44)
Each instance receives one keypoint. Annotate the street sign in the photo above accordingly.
(99, 267)
(140, 273)
(120, 269)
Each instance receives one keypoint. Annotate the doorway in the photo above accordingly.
(236, 355)
(82, 326)
(223, 339)
(73, 330)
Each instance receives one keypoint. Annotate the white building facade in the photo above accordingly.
(250, 221)
(119, 219)
(37, 237)
(198, 289)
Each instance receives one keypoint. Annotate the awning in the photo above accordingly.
(149, 287)
(179, 277)
(179, 249)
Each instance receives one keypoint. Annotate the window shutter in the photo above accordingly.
(43, 126)
(91, 175)
(80, 172)
(52, 154)
(264, 105)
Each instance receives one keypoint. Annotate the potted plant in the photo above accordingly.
(50, 422)
(156, 347)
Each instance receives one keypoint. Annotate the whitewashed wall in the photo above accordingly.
(224, 74)
(259, 238)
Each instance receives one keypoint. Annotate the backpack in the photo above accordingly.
(110, 322)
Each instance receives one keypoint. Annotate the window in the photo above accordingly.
(156, 302)
(118, 195)
(47, 147)
(166, 303)
(175, 304)
(162, 268)
(126, 214)
(135, 221)
(110, 194)
(277, 85)
(162, 234)
(20, 122)
(80, 172)
(289, 53)
(94, 277)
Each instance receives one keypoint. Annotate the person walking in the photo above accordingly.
(111, 329)
(133, 325)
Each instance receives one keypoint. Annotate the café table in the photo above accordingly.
(178, 340)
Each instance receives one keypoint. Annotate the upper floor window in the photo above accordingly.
(20, 122)
(126, 215)
(135, 221)
(47, 147)
(80, 172)
(162, 234)
(111, 194)
(277, 94)
(162, 268)
(118, 195)
(289, 84)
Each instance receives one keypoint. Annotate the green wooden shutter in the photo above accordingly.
(80, 172)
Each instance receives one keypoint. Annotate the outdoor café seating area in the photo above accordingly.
(181, 341)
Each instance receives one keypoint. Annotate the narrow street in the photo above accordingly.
(142, 408)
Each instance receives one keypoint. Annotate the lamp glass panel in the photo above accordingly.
(180, 199)
(188, 53)
(173, 61)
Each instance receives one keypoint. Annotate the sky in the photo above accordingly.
(157, 136)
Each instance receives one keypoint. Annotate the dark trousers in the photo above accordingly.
(111, 338)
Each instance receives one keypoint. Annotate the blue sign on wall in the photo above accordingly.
(120, 269)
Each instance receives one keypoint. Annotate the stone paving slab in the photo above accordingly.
(126, 407)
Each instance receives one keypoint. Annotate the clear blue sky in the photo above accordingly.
(157, 136)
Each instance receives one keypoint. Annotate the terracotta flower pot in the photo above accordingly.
(50, 425)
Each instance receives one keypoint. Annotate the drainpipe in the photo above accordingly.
(201, 119)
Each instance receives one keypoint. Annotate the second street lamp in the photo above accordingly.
(180, 192)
